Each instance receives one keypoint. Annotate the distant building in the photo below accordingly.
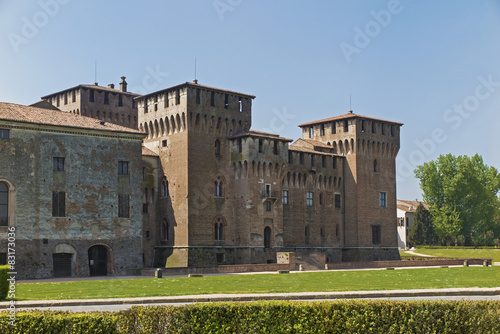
(406, 214)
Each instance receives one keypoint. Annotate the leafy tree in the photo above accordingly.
(422, 231)
(462, 194)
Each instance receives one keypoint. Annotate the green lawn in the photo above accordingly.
(461, 253)
(266, 283)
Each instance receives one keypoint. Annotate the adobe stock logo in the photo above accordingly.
(31, 28)
(373, 28)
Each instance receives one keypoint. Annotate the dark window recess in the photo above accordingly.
(123, 206)
(164, 143)
(346, 126)
(320, 199)
(260, 145)
(334, 128)
(301, 158)
(226, 101)
(392, 131)
(322, 130)
(313, 161)
(334, 162)
(3, 258)
(58, 164)
(220, 257)
(240, 103)
(267, 237)
(166, 100)
(73, 97)
(91, 96)
(217, 147)
(375, 166)
(156, 106)
(120, 100)
(106, 98)
(323, 161)
(65, 98)
(122, 167)
(383, 129)
(58, 204)
(362, 126)
(219, 230)
(4, 204)
(198, 96)
(147, 234)
(240, 145)
(145, 208)
(4, 133)
(212, 99)
(177, 97)
(376, 234)
(268, 206)
(275, 147)
(62, 264)
(290, 157)
(338, 200)
(374, 127)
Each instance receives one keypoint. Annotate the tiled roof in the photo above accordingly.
(44, 104)
(199, 86)
(410, 206)
(28, 114)
(346, 116)
(317, 143)
(308, 150)
(254, 133)
(148, 152)
(112, 90)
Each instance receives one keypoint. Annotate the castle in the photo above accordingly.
(177, 178)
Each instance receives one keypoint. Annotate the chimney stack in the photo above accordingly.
(112, 86)
(123, 85)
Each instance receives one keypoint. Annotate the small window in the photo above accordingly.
(123, 206)
(301, 158)
(240, 145)
(4, 204)
(320, 199)
(164, 143)
(156, 106)
(166, 100)
(383, 199)
(65, 98)
(73, 96)
(362, 126)
(376, 234)
(145, 208)
(122, 167)
(284, 197)
(120, 100)
(212, 99)
(323, 161)
(375, 166)
(268, 205)
(310, 132)
(219, 230)
(334, 161)
(240, 103)
(217, 147)
(275, 147)
(220, 258)
(218, 191)
(267, 237)
(145, 108)
(309, 198)
(226, 101)
(58, 204)
(92, 96)
(313, 160)
(374, 127)
(106, 98)
(346, 126)
(267, 190)
(322, 130)
(392, 131)
(260, 145)
(58, 164)
(338, 200)
(57, 101)
(4, 133)
(164, 187)
(334, 128)
(383, 128)
(198, 96)
(290, 157)
(177, 96)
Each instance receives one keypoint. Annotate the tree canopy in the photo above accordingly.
(422, 231)
(462, 193)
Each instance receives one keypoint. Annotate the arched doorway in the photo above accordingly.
(98, 260)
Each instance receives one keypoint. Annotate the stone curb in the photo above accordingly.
(262, 296)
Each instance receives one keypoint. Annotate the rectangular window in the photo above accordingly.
(120, 100)
(65, 98)
(57, 101)
(91, 96)
(290, 157)
(267, 192)
(374, 127)
(309, 198)
(376, 234)
(164, 143)
(178, 97)
(226, 101)
(334, 128)
(310, 132)
(122, 167)
(198, 96)
(313, 160)
(123, 206)
(240, 145)
(58, 164)
(334, 159)
(268, 205)
(383, 128)
(284, 197)
(323, 161)
(145, 208)
(73, 96)
(322, 130)
(58, 204)
(4, 133)
(338, 200)
(301, 158)
(260, 145)
(392, 131)
(362, 126)
(166, 100)
(212, 99)
(346, 126)
(240, 104)
(383, 199)
(275, 148)
(320, 199)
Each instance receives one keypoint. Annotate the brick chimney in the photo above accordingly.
(123, 85)
(112, 86)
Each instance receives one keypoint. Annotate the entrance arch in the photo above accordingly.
(98, 260)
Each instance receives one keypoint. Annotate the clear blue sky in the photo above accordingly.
(432, 65)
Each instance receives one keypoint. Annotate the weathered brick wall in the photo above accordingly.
(91, 182)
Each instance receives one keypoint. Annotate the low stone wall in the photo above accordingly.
(413, 263)
(222, 269)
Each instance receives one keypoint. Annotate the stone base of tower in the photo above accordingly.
(366, 254)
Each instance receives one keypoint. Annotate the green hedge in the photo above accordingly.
(4, 284)
(352, 316)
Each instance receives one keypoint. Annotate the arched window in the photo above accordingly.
(164, 187)
(4, 204)
(267, 237)
(218, 187)
(375, 166)
(217, 147)
(164, 229)
(219, 229)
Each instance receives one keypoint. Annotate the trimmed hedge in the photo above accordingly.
(4, 284)
(352, 316)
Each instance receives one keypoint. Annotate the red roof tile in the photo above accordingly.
(28, 114)
(148, 152)
(197, 86)
(346, 116)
